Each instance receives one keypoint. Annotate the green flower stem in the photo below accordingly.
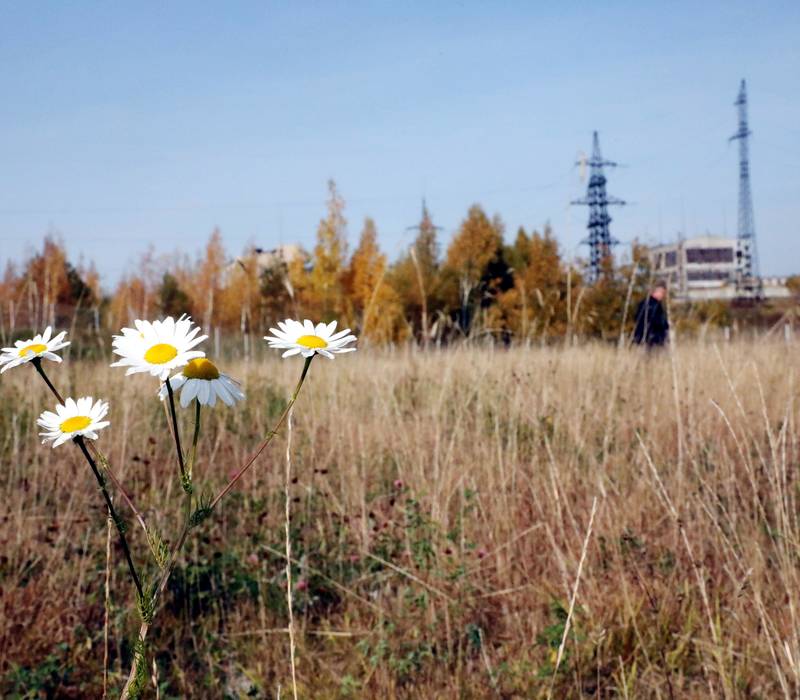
(268, 439)
(173, 557)
(195, 437)
(175, 432)
(79, 441)
(186, 477)
(37, 363)
(144, 628)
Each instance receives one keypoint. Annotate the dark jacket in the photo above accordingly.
(652, 327)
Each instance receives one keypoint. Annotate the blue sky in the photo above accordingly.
(146, 123)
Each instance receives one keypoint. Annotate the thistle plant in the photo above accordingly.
(160, 349)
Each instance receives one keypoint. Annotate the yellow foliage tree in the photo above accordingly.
(537, 304)
(415, 276)
(44, 282)
(323, 295)
(238, 301)
(208, 281)
(135, 295)
(472, 257)
(130, 300)
(375, 306)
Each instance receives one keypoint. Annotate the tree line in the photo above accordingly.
(480, 285)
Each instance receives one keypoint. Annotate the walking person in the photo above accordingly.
(652, 325)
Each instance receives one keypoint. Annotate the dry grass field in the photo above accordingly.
(450, 512)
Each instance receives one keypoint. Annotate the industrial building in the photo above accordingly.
(707, 267)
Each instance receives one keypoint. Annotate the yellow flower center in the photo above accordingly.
(34, 348)
(161, 353)
(201, 368)
(75, 423)
(312, 341)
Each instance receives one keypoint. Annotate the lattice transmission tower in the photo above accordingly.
(748, 280)
(599, 239)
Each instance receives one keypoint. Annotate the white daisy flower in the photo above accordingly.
(306, 339)
(157, 347)
(41, 345)
(73, 418)
(201, 380)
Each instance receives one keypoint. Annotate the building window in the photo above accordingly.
(709, 255)
(707, 275)
(671, 259)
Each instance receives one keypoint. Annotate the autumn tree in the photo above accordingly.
(537, 303)
(74, 290)
(130, 300)
(375, 306)
(475, 269)
(9, 287)
(44, 283)
(172, 300)
(793, 285)
(90, 278)
(415, 276)
(48, 289)
(323, 294)
(239, 302)
(135, 294)
(208, 280)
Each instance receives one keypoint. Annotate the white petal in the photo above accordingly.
(203, 392)
(177, 381)
(191, 389)
(221, 390)
(196, 341)
(340, 334)
(185, 397)
(232, 387)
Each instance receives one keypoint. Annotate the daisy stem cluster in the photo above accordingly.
(175, 551)
(157, 349)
